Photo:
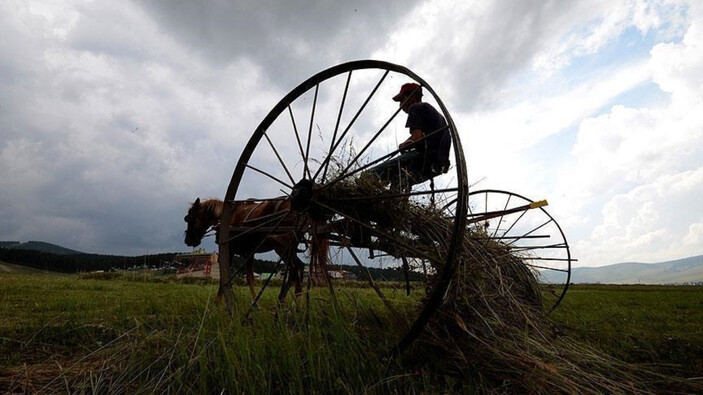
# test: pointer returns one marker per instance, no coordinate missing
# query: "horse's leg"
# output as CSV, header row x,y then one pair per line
x,y
250,276
289,255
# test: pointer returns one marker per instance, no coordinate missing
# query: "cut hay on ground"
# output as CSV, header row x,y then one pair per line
x,y
492,330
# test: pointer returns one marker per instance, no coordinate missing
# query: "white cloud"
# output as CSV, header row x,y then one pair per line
x,y
634,159
694,237
113,113
649,223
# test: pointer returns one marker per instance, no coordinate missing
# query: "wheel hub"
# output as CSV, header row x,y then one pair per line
x,y
301,195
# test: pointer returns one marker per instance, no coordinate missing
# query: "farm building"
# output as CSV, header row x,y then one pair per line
x,y
198,264
264,276
342,274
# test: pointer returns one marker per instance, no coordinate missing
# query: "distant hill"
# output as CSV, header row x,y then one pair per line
x,y
686,270
39,246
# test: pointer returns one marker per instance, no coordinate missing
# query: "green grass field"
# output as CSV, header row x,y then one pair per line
x,y
62,333
639,323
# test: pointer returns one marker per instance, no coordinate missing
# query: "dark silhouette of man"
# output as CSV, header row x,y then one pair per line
x,y
425,153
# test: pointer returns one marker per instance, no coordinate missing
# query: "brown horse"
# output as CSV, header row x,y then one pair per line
x,y
246,240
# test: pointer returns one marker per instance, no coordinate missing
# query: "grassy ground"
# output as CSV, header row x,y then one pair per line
x,y
645,324
61,333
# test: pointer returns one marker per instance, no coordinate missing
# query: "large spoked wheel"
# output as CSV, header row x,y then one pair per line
x,y
530,233
314,149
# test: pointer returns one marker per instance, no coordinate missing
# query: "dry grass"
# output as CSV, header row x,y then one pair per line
x,y
493,328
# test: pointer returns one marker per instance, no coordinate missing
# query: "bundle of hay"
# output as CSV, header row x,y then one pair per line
x,y
492,329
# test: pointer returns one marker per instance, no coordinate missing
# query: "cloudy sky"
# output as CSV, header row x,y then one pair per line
x,y
115,115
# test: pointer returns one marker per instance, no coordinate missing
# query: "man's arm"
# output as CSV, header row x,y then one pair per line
x,y
415,135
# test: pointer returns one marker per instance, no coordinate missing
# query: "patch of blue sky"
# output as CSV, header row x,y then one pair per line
x,y
632,45
645,95
552,153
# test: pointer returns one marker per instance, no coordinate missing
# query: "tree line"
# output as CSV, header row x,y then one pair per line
x,y
80,262
77,263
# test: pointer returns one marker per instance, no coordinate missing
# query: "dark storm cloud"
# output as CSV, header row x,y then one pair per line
x,y
288,39
476,56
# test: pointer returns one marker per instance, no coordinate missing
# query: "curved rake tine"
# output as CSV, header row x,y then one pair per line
x,y
547,268
538,247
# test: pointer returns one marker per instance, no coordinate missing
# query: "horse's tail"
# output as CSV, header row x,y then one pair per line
x,y
319,257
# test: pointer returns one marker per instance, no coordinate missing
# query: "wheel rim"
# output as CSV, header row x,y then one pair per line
x,y
332,112
531,234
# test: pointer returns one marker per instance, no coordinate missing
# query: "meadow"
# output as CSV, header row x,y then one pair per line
x,y
143,334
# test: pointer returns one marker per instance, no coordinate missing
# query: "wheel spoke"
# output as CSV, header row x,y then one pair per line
x,y
385,125
406,268
297,136
373,285
269,176
252,229
366,166
260,243
530,232
312,121
375,136
501,217
346,130
263,287
515,222
275,151
263,217
326,161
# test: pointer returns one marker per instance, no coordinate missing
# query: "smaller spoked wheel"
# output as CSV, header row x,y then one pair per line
x,y
529,232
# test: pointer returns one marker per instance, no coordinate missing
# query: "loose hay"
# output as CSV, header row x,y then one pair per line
x,y
493,329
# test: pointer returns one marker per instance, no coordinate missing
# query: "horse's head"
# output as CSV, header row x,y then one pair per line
x,y
200,218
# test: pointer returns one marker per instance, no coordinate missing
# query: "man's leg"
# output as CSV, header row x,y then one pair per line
x,y
396,171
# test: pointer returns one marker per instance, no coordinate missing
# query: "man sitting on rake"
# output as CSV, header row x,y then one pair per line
x,y
425,154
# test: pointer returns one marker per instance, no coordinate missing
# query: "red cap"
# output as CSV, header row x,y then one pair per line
x,y
407,89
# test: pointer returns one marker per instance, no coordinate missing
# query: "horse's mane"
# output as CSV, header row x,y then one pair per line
x,y
213,206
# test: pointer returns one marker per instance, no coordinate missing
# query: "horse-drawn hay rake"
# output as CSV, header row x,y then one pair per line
x,y
305,164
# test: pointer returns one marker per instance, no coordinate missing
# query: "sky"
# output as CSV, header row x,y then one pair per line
x,y
114,116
